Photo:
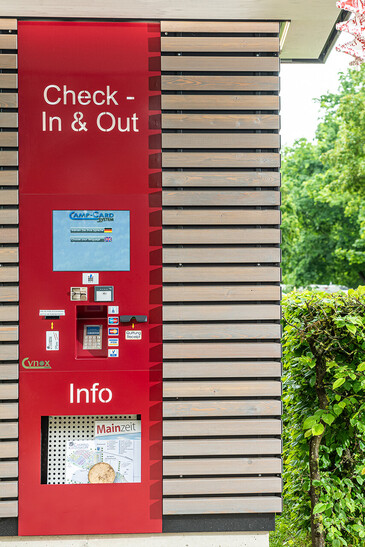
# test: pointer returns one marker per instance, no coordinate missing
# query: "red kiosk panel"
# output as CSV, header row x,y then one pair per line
x,y
90,268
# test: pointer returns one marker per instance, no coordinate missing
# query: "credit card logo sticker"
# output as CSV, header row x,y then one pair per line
x,y
113,352
113,320
113,331
113,342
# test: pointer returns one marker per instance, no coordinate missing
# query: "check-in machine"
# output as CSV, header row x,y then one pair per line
x,y
90,279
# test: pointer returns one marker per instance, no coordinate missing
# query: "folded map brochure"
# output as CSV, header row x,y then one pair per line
x,y
117,443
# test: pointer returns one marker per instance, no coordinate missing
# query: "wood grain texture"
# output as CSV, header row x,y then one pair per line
x,y
191,293
186,255
8,100
215,178
8,41
220,331
9,352
9,216
225,388
9,489
8,333
221,26
217,505
222,466
8,177
8,509
220,407
9,293
8,430
9,197
8,411
8,138
218,274
220,447
222,312
9,255
9,449
8,24
214,44
8,312
8,470
8,60
220,140
201,486
224,350
221,236
9,235
219,121
234,217
221,369
176,63
197,82
8,158
8,81
9,371
208,198
8,119
219,102
220,159
9,273
213,428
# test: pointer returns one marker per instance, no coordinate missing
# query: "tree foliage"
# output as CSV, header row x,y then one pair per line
x,y
323,190
324,415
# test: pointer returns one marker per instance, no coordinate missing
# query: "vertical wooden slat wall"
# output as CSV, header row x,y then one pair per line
x,y
220,160
8,269
221,267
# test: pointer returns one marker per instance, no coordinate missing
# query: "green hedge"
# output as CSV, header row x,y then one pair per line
x,y
324,419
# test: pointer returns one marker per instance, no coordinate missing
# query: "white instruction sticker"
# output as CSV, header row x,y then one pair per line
x,y
52,340
90,278
133,335
53,313
113,310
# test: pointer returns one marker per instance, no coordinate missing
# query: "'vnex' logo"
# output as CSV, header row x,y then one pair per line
x,y
26,363
91,215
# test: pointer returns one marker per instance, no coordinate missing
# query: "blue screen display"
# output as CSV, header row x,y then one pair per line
x,y
91,240
93,330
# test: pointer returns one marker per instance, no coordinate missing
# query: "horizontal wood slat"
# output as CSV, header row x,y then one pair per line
x,y
262,388
216,274
211,428
9,235
223,254
210,44
8,138
196,409
220,121
201,486
219,216
224,350
221,159
221,26
9,197
9,353
8,430
8,119
9,254
9,489
9,216
9,273
8,158
220,140
9,371
182,63
9,313
227,236
8,177
222,466
8,470
220,447
8,100
9,449
197,82
9,293
219,102
8,334
225,312
212,505
8,41
8,24
221,369
8,411
8,81
220,292
8,509
216,178
207,198
8,60
220,331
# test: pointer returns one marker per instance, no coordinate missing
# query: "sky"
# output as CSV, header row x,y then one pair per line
x,y
300,84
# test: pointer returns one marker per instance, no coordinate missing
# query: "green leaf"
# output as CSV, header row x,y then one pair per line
x,y
338,382
361,367
328,418
318,429
351,328
319,508
310,422
336,543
